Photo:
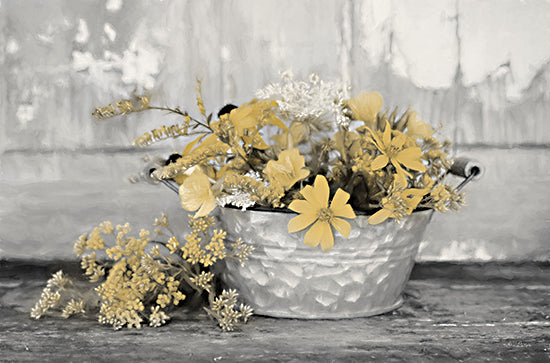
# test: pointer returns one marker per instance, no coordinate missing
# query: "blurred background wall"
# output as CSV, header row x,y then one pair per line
x,y
481,68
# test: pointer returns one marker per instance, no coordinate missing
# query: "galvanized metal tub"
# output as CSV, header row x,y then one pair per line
x,y
361,276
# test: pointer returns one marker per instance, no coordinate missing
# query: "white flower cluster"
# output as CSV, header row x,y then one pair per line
x,y
238,197
302,101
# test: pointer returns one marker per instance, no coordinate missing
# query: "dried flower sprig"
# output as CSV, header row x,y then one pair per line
x,y
140,281
61,294
123,107
225,310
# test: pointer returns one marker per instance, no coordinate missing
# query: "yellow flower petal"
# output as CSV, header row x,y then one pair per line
x,y
281,140
341,226
320,233
386,137
345,211
301,206
275,121
411,158
399,140
287,170
340,198
380,216
322,189
416,192
195,193
209,141
207,207
255,141
339,206
189,200
412,203
399,169
318,194
377,141
309,193
380,162
302,174
417,128
366,106
301,221
180,178
244,117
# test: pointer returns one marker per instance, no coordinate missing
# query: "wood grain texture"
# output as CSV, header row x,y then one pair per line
x,y
74,56
452,313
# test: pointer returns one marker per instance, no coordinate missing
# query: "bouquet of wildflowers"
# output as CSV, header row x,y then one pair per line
x,y
302,146
306,147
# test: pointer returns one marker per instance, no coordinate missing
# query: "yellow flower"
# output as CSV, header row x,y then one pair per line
x,y
395,151
106,227
243,124
416,128
315,210
348,143
244,117
362,164
366,106
291,136
399,203
163,300
249,115
287,170
195,193
173,245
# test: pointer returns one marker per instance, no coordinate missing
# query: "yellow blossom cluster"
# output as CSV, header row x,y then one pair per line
x,y
138,280
202,246
444,197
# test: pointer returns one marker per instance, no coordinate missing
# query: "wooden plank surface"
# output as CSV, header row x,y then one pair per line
x,y
452,313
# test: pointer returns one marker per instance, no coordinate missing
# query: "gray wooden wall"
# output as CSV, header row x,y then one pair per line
x,y
482,68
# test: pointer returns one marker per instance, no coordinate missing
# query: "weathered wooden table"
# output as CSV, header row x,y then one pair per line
x,y
486,312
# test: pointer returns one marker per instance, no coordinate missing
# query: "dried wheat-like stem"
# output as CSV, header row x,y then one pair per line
x,y
124,107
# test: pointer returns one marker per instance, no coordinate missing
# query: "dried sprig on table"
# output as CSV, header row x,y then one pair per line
x,y
59,292
140,280
296,146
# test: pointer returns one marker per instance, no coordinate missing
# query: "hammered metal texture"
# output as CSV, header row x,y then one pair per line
x,y
361,276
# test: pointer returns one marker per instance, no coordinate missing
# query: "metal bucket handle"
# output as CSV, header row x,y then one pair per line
x,y
467,168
